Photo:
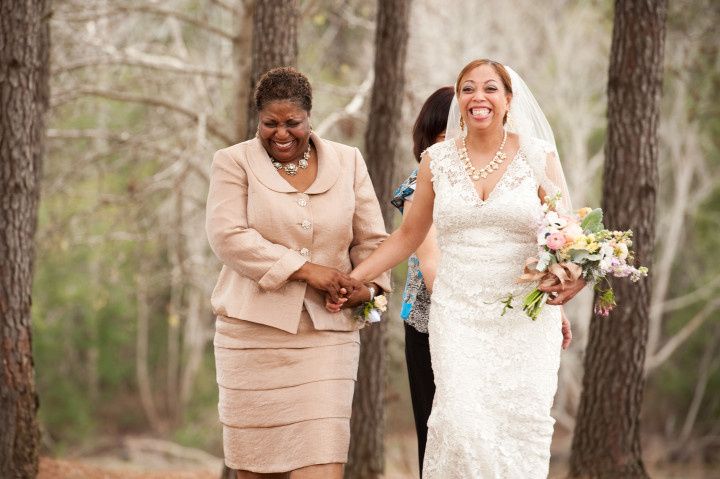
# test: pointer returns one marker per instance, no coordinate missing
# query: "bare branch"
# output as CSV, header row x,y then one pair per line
x,y
352,109
226,6
703,292
705,369
681,336
151,9
103,61
146,144
212,126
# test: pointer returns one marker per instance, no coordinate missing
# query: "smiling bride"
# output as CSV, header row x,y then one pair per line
x,y
483,188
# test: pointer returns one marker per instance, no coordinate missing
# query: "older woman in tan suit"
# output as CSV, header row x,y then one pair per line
x,y
289,214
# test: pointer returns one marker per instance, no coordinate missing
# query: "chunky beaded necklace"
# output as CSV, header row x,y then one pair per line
x,y
483,172
291,168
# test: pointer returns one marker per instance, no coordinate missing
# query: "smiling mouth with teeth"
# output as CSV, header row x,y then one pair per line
x,y
285,145
480,111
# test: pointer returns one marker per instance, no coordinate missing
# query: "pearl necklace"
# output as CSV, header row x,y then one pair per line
x,y
291,168
483,172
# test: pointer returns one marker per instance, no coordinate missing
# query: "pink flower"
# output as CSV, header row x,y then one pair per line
x,y
573,231
603,311
555,241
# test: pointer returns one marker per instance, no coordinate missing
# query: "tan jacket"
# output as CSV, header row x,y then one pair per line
x,y
263,230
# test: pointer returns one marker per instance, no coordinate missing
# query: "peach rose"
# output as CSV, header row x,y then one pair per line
x,y
556,241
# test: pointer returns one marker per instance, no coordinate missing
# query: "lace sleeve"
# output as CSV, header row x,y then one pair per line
x,y
553,182
545,162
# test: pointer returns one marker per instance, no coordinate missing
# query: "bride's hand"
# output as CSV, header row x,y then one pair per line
x,y
561,294
566,331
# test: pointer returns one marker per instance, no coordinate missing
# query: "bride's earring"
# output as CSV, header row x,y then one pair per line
x,y
462,124
508,120
257,132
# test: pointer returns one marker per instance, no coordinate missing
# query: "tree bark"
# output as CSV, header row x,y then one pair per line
x,y
606,443
274,44
24,66
367,452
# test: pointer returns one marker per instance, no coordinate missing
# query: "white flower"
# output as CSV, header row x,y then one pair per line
x,y
607,252
554,220
381,303
622,250
542,236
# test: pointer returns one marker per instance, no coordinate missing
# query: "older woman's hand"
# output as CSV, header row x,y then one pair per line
x,y
561,294
336,283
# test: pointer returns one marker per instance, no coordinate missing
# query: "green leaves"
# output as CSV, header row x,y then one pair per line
x,y
592,223
507,304
581,256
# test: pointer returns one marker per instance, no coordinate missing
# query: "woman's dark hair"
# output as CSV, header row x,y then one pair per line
x,y
283,84
432,119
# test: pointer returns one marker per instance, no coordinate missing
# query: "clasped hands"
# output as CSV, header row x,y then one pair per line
x,y
341,290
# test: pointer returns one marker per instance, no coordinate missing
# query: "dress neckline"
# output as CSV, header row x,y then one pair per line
x,y
469,181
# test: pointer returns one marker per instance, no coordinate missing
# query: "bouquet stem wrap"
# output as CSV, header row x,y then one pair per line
x,y
556,274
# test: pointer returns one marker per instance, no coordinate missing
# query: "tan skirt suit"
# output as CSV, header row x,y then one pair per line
x,y
286,367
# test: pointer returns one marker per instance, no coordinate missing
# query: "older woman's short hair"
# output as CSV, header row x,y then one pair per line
x,y
283,84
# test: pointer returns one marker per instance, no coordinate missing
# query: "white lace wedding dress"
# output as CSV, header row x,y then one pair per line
x,y
495,375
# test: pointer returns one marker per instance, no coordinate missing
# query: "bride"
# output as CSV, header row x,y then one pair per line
x,y
483,188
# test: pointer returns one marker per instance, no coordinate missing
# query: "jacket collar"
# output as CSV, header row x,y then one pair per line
x,y
328,167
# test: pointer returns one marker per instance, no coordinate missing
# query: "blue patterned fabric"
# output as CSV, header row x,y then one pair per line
x,y
415,300
407,188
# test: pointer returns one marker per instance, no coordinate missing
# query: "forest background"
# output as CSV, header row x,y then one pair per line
x,y
143,93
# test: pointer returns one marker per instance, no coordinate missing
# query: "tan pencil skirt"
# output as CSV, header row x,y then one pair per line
x,y
285,399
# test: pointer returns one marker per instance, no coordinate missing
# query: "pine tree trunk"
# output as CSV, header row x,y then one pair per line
x,y
274,45
367,452
24,57
606,443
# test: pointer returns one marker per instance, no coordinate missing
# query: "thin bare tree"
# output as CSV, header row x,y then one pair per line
x,y
24,67
607,433
382,138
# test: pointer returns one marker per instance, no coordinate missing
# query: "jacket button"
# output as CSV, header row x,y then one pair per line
x,y
302,202
305,252
306,224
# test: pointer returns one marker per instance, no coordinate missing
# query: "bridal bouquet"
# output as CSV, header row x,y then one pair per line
x,y
574,246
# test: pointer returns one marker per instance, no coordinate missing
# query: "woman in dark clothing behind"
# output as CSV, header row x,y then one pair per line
x,y
429,129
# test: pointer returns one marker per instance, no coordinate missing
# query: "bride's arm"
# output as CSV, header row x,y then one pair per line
x,y
409,235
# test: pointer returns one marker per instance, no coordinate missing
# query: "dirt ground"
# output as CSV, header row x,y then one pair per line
x,y
64,469
147,458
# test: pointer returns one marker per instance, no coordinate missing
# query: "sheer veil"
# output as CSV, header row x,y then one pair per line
x,y
528,121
